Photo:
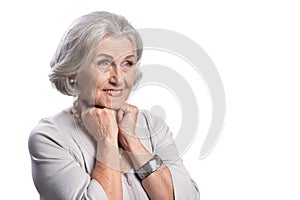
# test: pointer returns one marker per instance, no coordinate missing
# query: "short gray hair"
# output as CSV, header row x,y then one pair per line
x,y
76,47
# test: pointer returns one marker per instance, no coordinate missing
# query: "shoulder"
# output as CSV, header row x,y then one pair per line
x,y
151,127
50,131
151,121
159,139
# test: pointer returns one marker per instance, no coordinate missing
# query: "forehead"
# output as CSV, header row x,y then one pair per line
x,y
115,47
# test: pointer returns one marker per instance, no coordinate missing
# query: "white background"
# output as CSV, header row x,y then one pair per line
x,y
255,46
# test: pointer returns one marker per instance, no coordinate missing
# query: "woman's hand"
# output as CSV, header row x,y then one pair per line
x,y
101,123
127,117
159,184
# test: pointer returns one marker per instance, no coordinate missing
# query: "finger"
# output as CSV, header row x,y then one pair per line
x,y
90,113
83,104
120,115
86,113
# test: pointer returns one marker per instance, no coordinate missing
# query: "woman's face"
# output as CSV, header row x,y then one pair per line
x,y
107,81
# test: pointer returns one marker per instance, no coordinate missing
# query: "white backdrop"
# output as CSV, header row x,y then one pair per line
x,y
255,46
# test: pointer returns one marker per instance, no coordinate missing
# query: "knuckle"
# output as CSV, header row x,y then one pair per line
x,y
84,114
134,109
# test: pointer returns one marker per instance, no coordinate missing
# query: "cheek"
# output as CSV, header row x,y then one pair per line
x,y
130,79
89,81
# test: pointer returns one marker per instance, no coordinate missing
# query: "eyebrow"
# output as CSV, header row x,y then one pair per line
x,y
111,57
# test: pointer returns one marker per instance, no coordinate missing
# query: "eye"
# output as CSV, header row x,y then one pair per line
x,y
103,63
128,64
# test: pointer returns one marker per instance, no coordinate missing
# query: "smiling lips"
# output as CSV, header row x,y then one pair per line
x,y
113,92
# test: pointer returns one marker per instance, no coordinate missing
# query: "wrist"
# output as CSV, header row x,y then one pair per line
x,y
110,140
136,151
139,157
107,154
132,144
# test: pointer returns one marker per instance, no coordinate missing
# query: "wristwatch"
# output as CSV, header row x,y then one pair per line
x,y
151,166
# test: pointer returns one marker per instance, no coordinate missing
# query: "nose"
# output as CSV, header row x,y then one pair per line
x,y
116,75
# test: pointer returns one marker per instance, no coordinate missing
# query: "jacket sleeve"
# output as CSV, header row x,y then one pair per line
x,y
56,174
164,145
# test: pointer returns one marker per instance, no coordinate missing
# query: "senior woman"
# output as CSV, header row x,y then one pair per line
x,y
103,147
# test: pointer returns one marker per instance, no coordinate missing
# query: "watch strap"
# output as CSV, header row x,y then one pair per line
x,y
149,167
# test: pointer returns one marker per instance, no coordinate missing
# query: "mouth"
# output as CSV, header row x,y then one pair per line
x,y
113,92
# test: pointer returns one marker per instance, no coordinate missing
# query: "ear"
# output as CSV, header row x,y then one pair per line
x,y
73,79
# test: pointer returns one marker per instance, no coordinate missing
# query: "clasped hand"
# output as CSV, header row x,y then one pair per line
x,y
112,125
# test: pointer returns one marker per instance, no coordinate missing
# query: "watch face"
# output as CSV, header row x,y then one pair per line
x,y
153,164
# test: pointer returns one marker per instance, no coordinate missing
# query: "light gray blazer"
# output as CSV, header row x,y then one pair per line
x,y
63,158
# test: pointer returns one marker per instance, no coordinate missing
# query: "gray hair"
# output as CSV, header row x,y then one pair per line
x,y
76,47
